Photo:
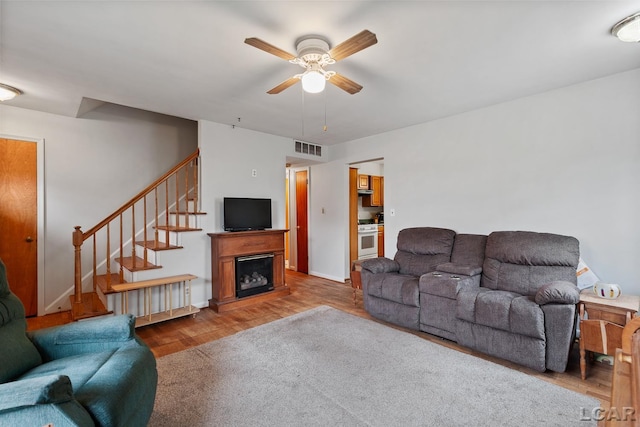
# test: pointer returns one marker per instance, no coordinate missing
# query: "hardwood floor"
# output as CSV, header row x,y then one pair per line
x,y
308,292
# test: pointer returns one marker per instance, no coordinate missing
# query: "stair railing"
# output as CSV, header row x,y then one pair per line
x,y
177,191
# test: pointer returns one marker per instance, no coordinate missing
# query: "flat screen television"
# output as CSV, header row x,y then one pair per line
x,y
242,214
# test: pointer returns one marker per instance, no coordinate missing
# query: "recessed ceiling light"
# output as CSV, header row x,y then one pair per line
x,y
628,30
8,92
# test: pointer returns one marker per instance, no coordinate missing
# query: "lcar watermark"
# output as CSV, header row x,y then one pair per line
x,y
625,413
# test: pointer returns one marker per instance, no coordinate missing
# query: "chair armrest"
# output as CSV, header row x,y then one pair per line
x,y
558,292
447,285
84,337
40,401
34,391
381,265
459,269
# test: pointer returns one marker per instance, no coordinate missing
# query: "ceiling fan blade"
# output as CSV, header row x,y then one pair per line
x,y
345,84
269,48
360,41
284,85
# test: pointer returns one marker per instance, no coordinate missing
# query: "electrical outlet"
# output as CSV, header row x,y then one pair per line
x,y
254,172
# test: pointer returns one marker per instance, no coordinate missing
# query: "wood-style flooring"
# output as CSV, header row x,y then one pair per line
x,y
308,292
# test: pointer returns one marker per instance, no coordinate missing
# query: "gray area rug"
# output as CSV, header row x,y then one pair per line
x,y
325,367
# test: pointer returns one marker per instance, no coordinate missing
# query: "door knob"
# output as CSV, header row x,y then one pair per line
x,y
29,239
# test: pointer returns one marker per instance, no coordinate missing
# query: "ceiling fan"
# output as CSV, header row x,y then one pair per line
x,y
313,55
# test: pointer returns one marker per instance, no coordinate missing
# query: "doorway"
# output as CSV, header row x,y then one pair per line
x,y
366,206
21,216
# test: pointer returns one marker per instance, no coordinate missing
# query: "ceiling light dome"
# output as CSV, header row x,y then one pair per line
x,y
313,82
8,92
628,30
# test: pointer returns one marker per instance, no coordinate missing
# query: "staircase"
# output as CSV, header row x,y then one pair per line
x,y
140,261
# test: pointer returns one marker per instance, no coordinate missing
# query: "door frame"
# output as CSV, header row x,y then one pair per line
x,y
40,211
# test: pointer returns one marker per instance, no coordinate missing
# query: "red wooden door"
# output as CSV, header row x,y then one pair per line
x,y
18,219
302,238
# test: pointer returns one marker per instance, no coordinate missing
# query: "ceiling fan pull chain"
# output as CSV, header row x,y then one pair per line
x,y
325,112
302,112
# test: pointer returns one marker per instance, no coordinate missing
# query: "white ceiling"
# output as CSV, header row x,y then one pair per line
x,y
188,58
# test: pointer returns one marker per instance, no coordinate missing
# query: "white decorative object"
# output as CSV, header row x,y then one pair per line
x,y
606,290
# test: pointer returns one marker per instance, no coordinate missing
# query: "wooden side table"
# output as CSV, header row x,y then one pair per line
x,y
601,323
356,281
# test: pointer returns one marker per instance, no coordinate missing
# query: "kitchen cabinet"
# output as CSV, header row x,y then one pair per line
x,y
380,240
375,199
363,182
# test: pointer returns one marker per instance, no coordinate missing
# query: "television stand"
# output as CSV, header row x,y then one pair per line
x,y
225,248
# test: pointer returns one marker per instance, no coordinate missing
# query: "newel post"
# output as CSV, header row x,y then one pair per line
x,y
77,238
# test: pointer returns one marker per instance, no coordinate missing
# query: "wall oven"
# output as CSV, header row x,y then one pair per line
x,y
367,241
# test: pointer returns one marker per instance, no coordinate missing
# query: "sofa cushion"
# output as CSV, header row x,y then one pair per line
x,y
417,265
421,249
398,288
526,318
507,311
466,303
80,368
426,240
468,249
523,261
115,386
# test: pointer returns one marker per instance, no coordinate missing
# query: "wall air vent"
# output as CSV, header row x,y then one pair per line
x,y
307,148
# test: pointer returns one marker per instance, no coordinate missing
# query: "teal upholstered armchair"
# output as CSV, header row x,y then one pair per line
x,y
95,372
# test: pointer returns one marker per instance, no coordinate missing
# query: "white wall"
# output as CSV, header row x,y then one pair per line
x,y
228,156
565,161
92,166
370,168
328,235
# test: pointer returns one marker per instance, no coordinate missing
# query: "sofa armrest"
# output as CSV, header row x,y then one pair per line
x,y
84,337
447,285
558,292
459,269
34,391
381,265
40,401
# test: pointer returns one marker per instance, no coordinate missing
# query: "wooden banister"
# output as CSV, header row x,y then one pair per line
x,y
140,195
185,168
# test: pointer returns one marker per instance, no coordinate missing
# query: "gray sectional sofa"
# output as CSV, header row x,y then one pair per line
x,y
511,294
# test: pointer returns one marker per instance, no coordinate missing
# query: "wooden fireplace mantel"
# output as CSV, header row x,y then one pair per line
x,y
225,247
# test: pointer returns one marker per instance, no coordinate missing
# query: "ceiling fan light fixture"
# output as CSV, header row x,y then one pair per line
x,y
313,82
8,92
628,30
